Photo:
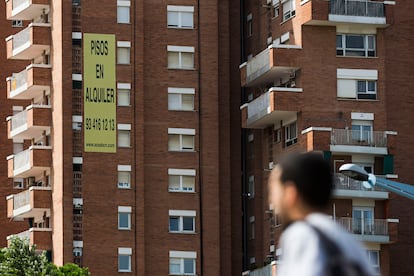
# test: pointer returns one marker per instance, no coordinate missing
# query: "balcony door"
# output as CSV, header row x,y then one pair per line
x,y
363,220
362,132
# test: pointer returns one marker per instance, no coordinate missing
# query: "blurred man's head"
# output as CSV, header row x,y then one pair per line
x,y
300,184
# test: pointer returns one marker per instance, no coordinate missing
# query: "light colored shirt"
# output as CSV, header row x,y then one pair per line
x,y
302,253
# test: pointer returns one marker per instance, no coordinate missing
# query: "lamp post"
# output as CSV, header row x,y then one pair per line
x,y
358,173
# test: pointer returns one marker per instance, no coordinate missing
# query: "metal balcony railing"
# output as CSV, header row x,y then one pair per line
x,y
364,226
357,8
343,182
358,138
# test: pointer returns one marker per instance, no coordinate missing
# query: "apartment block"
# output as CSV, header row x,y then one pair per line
x,y
326,76
123,134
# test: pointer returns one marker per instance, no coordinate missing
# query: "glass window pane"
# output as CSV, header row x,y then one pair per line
x,y
124,179
187,142
188,224
362,87
188,183
173,60
123,220
174,142
187,101
371,42
123,138
189,266
174,102
338,41
174,224
372,86
124,262
123,55
174,182
187,60
187,19
175,266
355,41
123,97
123,14
373,257
172,19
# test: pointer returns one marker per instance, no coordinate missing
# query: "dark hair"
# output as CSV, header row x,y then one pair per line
x,y
312,176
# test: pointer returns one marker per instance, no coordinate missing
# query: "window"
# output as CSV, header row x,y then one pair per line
x,y
360,84
249,21
183,263
180,57
291,134
362,132
252,228
288,9
124,217
123,7
180,17
277,135
180,180
251,187
17,23
123,52
124,135
124,176
275,8
18,183
355,45
124,259
363,220
367,89
181,139
181,98
124,94
181,221
373,258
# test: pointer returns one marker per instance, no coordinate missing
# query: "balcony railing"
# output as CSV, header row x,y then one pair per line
x,y
31,162
357,8
41,237
29,43
30,83
26,9
359,138
378,227
31,203
30,123
343,182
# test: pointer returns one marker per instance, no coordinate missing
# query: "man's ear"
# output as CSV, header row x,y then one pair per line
x,y
290,196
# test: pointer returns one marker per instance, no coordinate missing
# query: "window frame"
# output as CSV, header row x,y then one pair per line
x,y
181,92
181,229
181,132
289,138
182,267
123,45
289,13
366,50
128,216
125,252
123,4
181,173
180,50
180,10
367,94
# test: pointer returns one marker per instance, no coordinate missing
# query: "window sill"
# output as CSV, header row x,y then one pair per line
x,y
179,68
183,192
181,150
180,28
191,110
356,57
358,100
125,105
181,233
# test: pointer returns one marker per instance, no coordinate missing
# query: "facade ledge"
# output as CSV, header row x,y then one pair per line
x,y
391,132
372,238
360,194
309,129
357,19
286,89
359,149
389,2
244,106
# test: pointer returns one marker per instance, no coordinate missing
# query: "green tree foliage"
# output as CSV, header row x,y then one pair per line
x,y
21,259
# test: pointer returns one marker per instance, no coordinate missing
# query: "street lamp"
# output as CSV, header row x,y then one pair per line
x,y
358,173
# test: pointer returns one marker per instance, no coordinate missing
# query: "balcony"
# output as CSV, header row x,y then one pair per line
x,y
30,123
31,83
356,141
31,162
346,187
272,63
357,11
41,237
32,203
279,103
26,9
29,43
369,230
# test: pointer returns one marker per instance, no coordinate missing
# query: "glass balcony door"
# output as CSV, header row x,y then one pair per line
x,y
363,220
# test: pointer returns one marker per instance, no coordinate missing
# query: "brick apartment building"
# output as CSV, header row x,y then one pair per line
x,y
332,76
122,136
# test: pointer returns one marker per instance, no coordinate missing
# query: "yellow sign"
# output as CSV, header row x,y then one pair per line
x,y
99,92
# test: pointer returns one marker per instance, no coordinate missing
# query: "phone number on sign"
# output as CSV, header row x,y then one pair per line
x,y
103,124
